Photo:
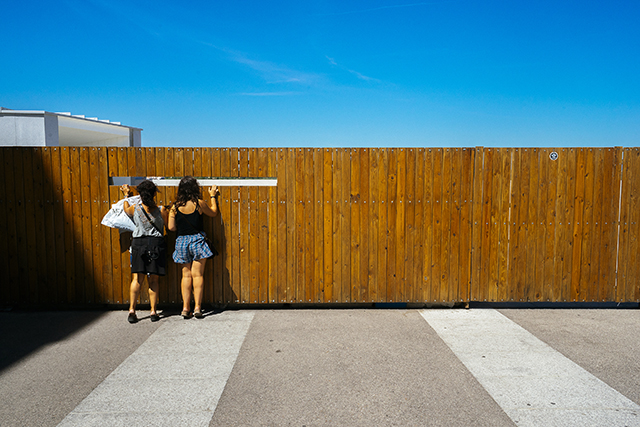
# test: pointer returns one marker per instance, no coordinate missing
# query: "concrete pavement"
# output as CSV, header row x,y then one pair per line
x,y
322,367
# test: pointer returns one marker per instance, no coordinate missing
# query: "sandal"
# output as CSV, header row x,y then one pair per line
x,y
185,314
154,317
198,314
132,318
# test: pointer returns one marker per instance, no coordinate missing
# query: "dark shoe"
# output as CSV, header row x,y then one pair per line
x,y
185,314
154,317
132,318
198,314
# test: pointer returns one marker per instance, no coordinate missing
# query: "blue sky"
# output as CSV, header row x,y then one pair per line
x,y
332,73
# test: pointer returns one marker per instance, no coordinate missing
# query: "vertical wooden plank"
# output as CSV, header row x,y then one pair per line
x,y
292,283
549,290
351,295
77,229
342,189
477,225
273,229
187,158
613,223
484,293
178,162
392,245
410,224
328,224
437,215
533,256
382,255
26,229
445,203
5,289
602,217
282,224
113,286
560,225
11,172
254,233
68,230
514,209
503,224
522,227
466,198
49,221
309,204
85,203
494,224
597,250
587,236
373,227
339,221
200,162
576,261
244,230
236,226
300,228
59,218
104,233
569,218
365,204
43,291
134,161
629,258
318,191
264,229
96,213
400,203
536,290
454,225
623,225
227,214
419,226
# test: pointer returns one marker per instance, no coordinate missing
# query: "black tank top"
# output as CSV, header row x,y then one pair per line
x,y
188,224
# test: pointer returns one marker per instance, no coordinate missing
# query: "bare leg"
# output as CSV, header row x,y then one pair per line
x,y
186,285
134,291
197,273
153,291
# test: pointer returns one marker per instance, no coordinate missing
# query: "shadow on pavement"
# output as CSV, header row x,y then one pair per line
x,y
23,333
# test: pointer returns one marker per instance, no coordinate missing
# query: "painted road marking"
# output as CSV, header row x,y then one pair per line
x,y
533,383
176,377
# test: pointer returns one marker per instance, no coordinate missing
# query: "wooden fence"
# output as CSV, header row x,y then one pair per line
x,y
342,225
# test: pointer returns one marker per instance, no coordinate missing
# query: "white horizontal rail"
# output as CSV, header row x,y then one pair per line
x,y
241,182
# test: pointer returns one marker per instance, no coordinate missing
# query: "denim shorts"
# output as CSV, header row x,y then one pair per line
x,y
190,248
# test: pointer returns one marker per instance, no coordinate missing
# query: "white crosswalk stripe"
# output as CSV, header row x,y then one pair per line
x,y
176,377
533,383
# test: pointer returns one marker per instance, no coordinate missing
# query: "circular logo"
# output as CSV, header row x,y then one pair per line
x,y
553,155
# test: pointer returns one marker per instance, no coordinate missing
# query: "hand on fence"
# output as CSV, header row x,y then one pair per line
x,y
214,191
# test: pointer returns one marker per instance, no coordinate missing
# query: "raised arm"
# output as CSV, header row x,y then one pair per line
x,y
213,198
171,222
126,191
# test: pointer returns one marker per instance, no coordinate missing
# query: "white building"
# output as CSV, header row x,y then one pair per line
x,y
45,129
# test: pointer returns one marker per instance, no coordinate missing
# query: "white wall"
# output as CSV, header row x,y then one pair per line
x,y
25,131
40,128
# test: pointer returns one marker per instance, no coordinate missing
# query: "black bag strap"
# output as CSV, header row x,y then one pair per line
x,y
149,219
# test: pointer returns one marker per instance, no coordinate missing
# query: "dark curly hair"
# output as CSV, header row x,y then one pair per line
x,y
188,190
147,191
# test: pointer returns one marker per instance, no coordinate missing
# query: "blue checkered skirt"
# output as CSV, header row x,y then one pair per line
x,y
190,248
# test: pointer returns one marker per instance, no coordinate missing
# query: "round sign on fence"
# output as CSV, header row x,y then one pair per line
x,y
553,155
